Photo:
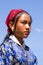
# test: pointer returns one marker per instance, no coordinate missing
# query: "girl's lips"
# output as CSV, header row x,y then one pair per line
x,y
26,32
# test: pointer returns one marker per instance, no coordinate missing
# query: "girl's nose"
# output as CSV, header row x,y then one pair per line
x,y
27,26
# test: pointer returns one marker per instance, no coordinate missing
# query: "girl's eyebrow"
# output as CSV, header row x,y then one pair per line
x,y
27,21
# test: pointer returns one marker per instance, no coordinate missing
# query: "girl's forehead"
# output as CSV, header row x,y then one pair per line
x,y
24,16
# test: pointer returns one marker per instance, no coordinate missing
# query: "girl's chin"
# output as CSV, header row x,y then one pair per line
x,y
25,36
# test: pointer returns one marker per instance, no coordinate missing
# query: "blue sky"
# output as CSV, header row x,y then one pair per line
x,y
35,9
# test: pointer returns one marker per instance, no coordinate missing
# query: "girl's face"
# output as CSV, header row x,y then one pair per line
x,y
23,26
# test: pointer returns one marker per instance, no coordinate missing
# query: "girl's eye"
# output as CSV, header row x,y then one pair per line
x,y
29,23
24,22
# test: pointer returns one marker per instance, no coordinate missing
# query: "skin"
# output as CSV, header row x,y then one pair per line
x,y
23,27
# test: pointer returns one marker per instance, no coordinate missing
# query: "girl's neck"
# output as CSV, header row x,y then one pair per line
x,y
20,40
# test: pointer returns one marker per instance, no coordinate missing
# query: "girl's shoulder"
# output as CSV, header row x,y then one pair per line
x,y
6,44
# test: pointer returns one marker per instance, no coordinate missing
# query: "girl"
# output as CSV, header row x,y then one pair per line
x,y
13,51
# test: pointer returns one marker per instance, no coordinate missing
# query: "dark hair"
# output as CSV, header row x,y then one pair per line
x,y
15,19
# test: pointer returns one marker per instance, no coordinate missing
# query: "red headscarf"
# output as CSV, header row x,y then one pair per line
x,y
11,15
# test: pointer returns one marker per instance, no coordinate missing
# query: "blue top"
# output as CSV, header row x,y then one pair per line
x,y
13,53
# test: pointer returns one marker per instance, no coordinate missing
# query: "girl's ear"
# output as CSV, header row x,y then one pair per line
x,y
11,25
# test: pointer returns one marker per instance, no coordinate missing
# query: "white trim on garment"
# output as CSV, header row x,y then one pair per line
x,y
15,39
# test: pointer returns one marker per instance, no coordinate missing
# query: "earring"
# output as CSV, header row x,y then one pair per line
x,y
12,29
